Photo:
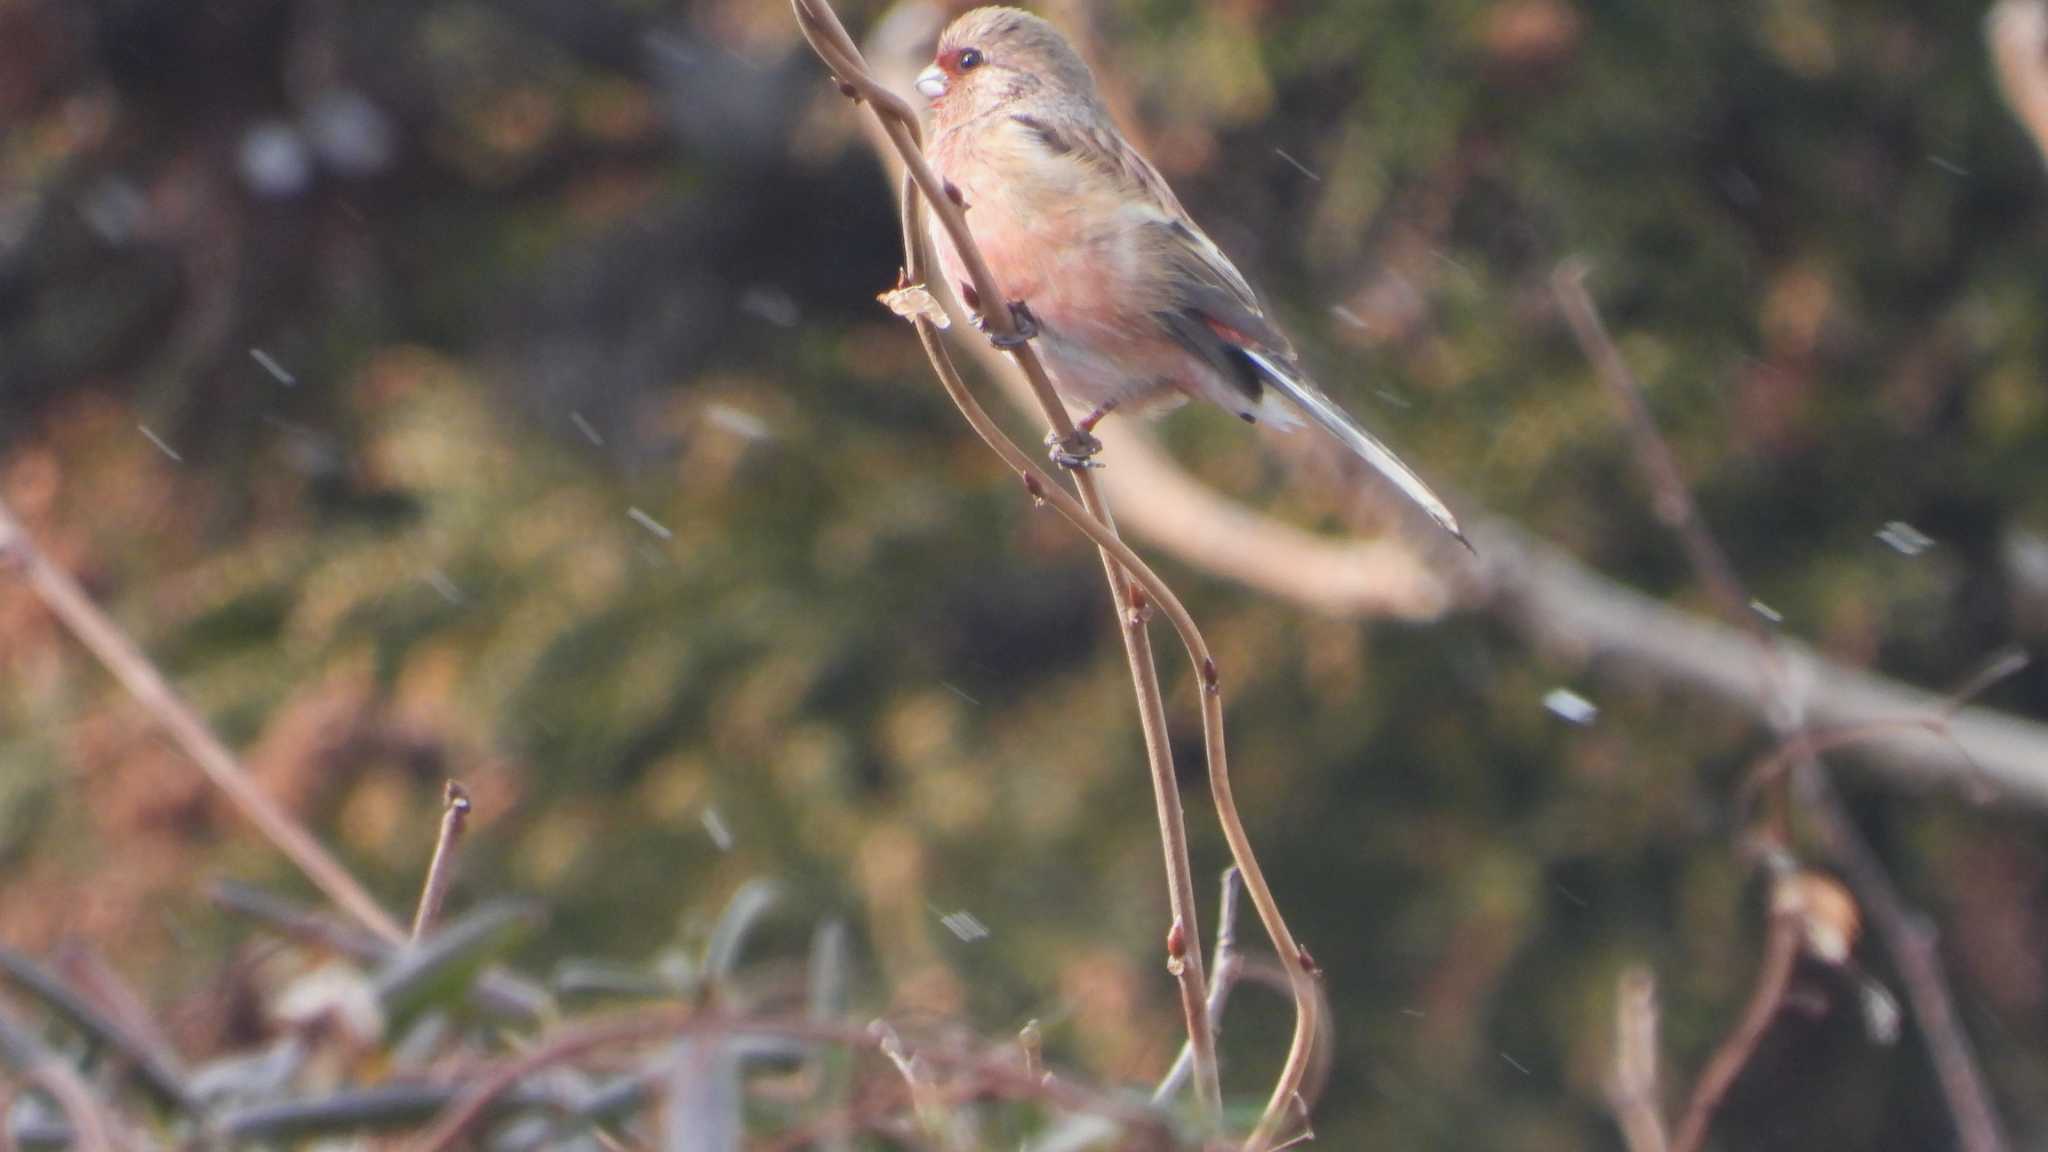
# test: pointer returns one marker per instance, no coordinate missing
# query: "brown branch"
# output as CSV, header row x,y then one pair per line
x,y
1785,704
1773,769
1226,965
1386,576
1558,604
1634,1086
1911,941
1773,977
441,871
829,39
105,639
1673,497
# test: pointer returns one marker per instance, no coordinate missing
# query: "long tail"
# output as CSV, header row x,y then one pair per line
x,y
1339,423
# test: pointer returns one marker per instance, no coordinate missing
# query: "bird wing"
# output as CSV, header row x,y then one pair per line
x,y
1199,286
1096,143
1207,304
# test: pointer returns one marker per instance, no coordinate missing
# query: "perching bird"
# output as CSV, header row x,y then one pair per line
x,y
1133,306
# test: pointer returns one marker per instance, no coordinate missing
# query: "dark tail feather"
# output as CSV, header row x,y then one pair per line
x,y
1338,423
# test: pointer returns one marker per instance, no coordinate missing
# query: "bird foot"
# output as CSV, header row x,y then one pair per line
x,y
1021,319
1073,453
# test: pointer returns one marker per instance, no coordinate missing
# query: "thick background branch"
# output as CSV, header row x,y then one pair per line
x,y
1562,605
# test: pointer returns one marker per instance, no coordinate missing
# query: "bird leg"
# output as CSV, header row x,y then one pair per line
x,y
1021,319
1078,450
1086,424
1075,452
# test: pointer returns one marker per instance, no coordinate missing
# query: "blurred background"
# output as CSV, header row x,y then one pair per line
x,y
497,391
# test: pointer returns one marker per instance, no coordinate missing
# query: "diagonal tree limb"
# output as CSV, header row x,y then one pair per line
x,y
1774,978
1559,603
105,639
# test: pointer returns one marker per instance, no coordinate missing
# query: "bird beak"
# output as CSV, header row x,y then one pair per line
x,y
932,82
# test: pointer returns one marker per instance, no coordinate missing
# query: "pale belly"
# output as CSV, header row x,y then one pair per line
x,y
1064,272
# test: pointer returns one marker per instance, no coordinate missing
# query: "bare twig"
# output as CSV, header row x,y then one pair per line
x,y
441,872
1226,965
1772,770
1785,703
1773,977
1911,941
93,628
821,27
1672,496
1031,1043
928,1102
1809,743
1126,572
1633,1088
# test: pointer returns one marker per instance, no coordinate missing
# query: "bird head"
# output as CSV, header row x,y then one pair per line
x,y
993,57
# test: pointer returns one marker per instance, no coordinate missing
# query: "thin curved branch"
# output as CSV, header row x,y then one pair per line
x,y
441,871
1773,978
1300,975
829,38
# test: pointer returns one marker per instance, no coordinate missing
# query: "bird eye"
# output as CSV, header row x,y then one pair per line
x,y
970,59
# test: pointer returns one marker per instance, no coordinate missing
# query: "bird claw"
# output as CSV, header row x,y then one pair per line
x,y
1021,319
1075,453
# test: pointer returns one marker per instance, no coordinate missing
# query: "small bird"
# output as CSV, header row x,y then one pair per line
x,y
1132,305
